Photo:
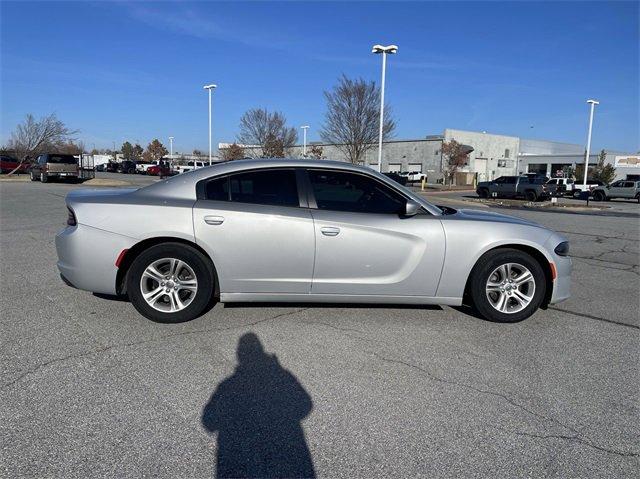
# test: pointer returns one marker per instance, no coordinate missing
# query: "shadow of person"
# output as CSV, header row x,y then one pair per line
x,y
257,412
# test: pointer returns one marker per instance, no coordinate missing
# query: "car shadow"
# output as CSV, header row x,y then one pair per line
x,y
257,413
112,297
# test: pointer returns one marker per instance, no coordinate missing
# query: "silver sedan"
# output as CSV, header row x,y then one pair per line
x,y
303,231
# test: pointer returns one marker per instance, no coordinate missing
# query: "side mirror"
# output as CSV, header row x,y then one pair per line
x,y
411,208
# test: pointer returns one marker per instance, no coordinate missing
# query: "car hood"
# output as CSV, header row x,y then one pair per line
x,y
478,215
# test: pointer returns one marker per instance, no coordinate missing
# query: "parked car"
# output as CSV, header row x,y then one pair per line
x,y
590,185
190,165
127,167
163,168
397,178
413,176
9,163
142,166
53,165
560,186
532,188
303,231
618,189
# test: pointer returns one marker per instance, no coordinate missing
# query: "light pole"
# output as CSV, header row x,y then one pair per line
x,y
586,155
171,147
304,140
377,49
210,88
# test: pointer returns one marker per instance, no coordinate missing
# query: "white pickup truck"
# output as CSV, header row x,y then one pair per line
x,y
191,165
569,187
142,167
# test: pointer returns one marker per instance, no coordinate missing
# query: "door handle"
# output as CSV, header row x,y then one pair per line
x,y
330,230
214,220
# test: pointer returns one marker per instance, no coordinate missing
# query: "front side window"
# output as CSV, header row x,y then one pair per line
x,y
343,191
617,184
270,187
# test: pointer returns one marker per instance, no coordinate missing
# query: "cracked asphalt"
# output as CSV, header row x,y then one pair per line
x,y
91,389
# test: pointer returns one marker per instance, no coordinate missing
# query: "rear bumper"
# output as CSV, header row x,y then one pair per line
x,y
86,257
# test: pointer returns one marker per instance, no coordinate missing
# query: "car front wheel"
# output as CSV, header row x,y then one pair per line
x,y
599,196
507,285
170,283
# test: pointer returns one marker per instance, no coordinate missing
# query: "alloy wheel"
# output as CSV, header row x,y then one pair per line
x,y
168,285
510,288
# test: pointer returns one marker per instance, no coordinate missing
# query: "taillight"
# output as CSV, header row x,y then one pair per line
x,y
71,218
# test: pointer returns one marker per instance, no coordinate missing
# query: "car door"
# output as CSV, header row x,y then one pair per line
x,y
616,190
628,189
258,234
363,245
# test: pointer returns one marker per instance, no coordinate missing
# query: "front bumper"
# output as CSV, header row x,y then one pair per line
x,y
86,257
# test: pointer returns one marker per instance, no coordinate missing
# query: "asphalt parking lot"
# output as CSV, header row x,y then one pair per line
x,y
91,389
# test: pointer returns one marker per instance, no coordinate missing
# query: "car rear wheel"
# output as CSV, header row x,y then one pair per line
x,y
530,195
599,196
507,285
33,177
43,178
170,283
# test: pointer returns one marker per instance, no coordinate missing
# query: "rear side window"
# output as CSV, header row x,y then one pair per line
x,y
510,180
271,187
342,191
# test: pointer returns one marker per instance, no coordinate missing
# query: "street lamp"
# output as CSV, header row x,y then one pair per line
x,y
586,155
210,88
171,147
377,49
304,140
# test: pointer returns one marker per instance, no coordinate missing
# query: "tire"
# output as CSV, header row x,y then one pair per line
x,y
43,178
530,195
576,194
599,196
163,310
485,269
483,193
33,177
638,197
132,171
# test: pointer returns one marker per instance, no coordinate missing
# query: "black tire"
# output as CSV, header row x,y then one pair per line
x,y
638,197
43,178
484,268
483,193
530,195
201,266
32,176
576,194
599,196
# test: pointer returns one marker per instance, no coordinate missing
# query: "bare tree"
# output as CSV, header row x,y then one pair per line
x,y
267,130
457,156
315,152
32,137
232,152
352,119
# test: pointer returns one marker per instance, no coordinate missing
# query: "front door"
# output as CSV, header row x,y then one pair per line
x,y
258,236
364,246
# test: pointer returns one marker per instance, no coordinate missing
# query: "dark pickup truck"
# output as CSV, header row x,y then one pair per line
x,y
532,188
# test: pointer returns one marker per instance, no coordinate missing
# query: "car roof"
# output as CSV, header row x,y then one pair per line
x,y
183,185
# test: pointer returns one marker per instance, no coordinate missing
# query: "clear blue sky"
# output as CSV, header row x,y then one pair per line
x,y
135,71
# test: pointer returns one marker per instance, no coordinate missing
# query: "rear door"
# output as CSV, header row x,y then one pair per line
x,y
258,233
363,245
628,189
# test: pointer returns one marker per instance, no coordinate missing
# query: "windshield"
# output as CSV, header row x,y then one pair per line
x,y
68,159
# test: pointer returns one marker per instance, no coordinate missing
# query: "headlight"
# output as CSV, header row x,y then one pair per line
x,y
562,249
